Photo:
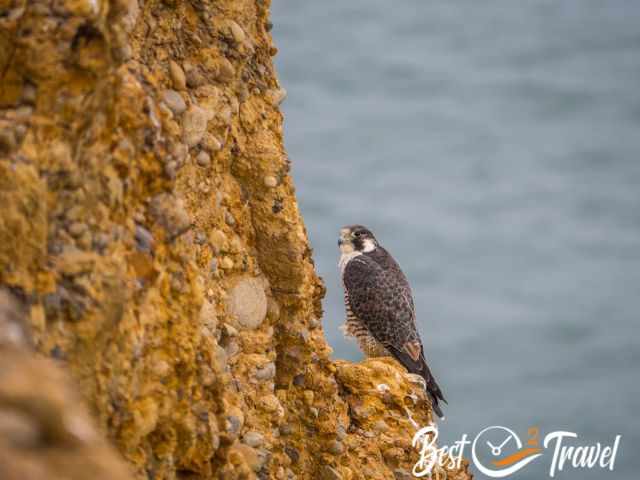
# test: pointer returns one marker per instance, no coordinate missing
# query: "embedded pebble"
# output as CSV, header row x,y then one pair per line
x,y
203,159
329,473
174,101
270,403
177,76
171,169
144,239
130,18
200,238
230,330
194,125
267,372
225,115
221,355
226,70
229,219
383,388
152,111
171,126
234,104
248,302
270,181
273,309
195,78
237,32
235,245
212,143
213,265
208,317
215,441
277,96
251,457
253,439
179,151
170,212
380,426
226,263
232,349
218,240
77,228
234,424
161,368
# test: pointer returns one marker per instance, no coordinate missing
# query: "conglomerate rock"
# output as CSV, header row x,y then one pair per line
x,y
149,223
45,430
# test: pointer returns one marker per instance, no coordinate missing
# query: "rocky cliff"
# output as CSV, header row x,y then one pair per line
x,y
150,231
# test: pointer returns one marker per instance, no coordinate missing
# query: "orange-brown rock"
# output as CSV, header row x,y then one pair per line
x,y
45,429
160,251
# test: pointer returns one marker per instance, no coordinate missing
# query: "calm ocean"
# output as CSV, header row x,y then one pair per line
x,y
494,148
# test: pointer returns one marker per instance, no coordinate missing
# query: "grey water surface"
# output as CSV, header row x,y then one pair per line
x,y
494,148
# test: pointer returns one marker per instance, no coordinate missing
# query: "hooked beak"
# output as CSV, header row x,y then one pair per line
x,y
344,237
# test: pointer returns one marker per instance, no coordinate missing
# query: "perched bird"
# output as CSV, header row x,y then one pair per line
x,y
379,306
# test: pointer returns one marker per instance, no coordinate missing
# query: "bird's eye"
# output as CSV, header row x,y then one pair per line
x,y
357,234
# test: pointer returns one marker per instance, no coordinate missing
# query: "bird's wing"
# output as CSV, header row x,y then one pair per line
x,y
382,301
387,262
383,304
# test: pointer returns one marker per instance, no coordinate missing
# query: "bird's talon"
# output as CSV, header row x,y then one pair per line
x,y
415,378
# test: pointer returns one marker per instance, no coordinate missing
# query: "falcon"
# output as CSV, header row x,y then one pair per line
x,y
380,313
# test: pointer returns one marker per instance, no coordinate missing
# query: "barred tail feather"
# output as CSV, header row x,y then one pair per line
x,y
421,368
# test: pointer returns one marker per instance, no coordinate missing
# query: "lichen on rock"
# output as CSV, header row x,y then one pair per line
x,y
159,250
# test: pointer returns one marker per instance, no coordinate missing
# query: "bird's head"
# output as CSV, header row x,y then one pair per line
x,y
356,238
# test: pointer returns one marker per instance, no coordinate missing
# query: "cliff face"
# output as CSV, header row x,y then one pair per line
x,y
149,225
45,430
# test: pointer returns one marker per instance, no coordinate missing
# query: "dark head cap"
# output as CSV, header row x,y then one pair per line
x,y
358,238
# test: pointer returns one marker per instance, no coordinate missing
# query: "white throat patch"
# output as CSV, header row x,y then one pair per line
x,y
369,245
348,253
346,257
